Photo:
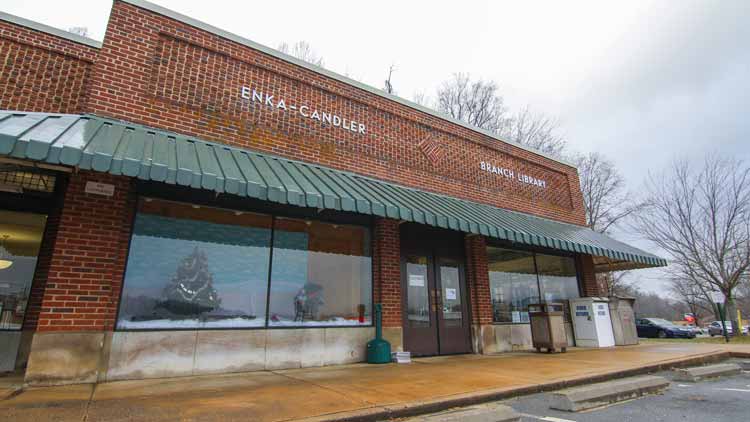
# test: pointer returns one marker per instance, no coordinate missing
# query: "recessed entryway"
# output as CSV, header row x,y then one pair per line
x,y
435,298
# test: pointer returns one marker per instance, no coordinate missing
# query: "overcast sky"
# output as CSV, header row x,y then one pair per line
x,y
641,82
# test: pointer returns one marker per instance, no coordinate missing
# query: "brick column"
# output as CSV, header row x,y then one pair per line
x,y
590,286
477,275
387,270
88,258
387,278
84,274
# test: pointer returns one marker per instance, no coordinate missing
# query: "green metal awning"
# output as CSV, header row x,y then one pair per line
x,y
121,148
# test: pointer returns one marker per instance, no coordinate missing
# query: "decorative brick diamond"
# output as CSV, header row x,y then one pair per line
x,y
431,148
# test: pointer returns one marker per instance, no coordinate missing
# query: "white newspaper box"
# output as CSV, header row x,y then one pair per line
x,y
592,325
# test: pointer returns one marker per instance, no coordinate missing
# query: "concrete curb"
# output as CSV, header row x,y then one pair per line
x,y
8,393
496,413
604,393
401,410
702,372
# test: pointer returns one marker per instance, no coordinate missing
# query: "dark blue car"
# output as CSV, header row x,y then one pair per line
x,y
661,328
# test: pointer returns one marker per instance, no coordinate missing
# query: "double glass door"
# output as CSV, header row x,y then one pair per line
x,y
435,304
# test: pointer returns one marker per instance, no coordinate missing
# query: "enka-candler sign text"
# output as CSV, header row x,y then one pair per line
x,y
510,174
305,111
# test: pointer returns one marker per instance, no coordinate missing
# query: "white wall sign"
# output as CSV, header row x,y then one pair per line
x,y
104,189
416,280
513,175
306,111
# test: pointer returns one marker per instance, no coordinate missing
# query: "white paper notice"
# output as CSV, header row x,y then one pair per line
x,y
450,294
416,280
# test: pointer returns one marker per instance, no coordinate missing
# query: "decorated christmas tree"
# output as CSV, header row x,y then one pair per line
x,y
191,290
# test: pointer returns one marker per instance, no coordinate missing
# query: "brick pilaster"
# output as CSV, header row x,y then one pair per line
x,y
387,270
87,264
478,279
590,286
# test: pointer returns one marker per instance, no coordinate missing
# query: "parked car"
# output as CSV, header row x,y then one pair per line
x,y
696,330
715,328
661,328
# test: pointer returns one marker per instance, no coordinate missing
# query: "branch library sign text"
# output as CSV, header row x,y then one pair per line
x,y
510,174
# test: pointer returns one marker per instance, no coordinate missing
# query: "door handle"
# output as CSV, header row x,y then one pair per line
x,y
436,302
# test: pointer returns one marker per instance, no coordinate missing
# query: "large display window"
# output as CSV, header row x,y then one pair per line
x,y
321,274
195,267
192,267
519,278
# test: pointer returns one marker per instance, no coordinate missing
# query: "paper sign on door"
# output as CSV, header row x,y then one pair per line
x,y
450,294
416,280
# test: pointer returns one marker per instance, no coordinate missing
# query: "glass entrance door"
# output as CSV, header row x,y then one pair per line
x,y
452,310
435,302
20,239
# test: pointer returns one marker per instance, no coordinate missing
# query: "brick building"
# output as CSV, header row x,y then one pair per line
x,y
180,200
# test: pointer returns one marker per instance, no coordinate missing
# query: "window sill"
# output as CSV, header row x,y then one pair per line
x,y
124,330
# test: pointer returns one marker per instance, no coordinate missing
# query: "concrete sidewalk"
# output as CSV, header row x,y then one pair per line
x,y
364,392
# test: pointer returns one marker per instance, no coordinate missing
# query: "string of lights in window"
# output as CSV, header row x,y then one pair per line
x,y
17,179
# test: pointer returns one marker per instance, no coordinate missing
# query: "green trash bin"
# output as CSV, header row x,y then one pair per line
x,y
378,350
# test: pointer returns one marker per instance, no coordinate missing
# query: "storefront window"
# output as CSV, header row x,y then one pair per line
x,y
519,278
557,277
321,274
20,239
195,267
513,284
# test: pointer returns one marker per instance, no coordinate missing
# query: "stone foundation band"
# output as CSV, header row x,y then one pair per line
x,y
510,174
305,111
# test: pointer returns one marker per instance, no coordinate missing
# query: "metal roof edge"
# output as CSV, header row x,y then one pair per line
x,y
191,138
331,74
627,252
49,30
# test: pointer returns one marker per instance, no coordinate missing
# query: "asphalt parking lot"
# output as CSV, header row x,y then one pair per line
x,y
720,399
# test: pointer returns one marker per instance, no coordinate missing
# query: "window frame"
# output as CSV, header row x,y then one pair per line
x,y
534,251
146,192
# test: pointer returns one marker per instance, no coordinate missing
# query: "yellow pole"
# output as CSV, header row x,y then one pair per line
x,y
739,319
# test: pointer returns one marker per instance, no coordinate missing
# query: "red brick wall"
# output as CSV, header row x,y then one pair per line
x,y
167,74
477,273
42,72
387,270
590,285
89,254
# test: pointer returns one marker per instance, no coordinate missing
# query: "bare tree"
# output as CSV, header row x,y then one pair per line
x,y
605,198
421,98
615,281
535,130
475,102
702,220
479,103
653,305
606,203
303,51
694,295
